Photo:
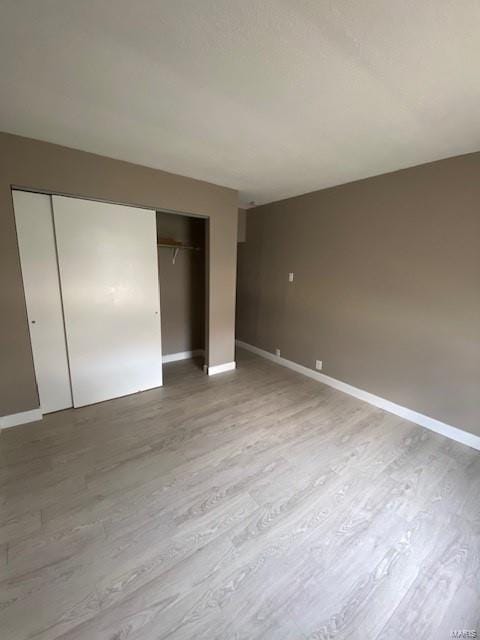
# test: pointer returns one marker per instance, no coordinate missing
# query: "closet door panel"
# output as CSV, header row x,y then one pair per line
x,y
38,257
109,277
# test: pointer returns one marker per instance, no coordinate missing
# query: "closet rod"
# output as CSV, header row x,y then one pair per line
x,y
176,248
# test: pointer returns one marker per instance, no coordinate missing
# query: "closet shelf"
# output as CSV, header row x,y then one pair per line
x,y
176,248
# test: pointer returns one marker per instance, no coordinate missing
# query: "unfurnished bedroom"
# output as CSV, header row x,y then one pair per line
x,y
239,320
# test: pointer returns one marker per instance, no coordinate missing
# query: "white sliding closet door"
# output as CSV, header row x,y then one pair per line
x,y
38,258
107,257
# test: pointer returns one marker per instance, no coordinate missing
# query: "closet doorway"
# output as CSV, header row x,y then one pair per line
x,y
181,243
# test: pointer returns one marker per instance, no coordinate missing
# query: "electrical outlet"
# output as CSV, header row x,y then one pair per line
x,y
318,365
290,277
277,352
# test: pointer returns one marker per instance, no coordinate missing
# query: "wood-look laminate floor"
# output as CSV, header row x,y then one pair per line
x,y
254,504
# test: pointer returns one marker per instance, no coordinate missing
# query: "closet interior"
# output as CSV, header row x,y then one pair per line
x,y
181,241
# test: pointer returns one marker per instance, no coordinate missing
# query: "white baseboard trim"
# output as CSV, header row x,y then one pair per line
x,y
20,418
454,433
182,355
221,368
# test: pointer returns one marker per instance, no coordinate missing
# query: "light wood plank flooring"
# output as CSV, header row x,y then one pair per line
x,y
255,504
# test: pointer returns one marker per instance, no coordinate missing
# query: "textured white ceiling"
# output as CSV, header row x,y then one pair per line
x,y
271,97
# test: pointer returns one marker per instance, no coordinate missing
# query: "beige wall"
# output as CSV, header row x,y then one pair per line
x,y
46,167
242,225
386,289
182,285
